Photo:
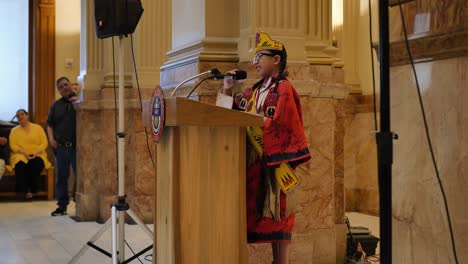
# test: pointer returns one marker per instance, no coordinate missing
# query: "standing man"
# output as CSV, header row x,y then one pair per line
x,y
61,129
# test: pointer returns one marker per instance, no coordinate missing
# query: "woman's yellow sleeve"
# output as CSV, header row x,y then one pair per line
x,y
13,139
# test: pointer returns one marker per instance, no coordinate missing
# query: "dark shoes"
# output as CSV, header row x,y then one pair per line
x,y
59,211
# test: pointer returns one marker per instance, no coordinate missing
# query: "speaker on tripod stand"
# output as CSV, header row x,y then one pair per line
x,y
117,18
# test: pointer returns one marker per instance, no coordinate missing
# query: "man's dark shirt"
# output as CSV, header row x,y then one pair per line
x,y
62,119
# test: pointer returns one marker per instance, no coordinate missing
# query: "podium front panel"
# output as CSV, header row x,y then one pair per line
x,y
200,195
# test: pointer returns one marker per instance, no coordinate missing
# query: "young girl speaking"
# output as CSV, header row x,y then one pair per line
x,y
274,150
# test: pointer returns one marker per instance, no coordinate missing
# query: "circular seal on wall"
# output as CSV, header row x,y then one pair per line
x,y
157,113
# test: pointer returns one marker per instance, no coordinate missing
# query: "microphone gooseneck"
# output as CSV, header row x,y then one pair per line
x,y
212,71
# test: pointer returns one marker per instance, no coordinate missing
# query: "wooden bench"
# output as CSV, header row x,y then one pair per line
x,y
48,174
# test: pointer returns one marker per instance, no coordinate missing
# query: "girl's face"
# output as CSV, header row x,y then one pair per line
x,y
266,63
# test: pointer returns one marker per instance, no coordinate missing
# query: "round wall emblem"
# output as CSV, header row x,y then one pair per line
x,y
157,113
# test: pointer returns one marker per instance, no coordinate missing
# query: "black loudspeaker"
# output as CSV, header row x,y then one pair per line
x,y
116,17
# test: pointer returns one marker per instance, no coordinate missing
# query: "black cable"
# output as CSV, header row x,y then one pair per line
x,y
115,110
198,84
423,112
136,73
373,70
132,250
139,96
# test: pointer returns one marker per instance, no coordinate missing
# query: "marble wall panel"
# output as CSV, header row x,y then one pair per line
x,y
316,197
421,233
97,164
360,162
445,16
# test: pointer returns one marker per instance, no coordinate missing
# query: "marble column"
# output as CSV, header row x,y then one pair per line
x,y
90,79
286,20
319,46
152,40
204,36
96,149
350,42
91,50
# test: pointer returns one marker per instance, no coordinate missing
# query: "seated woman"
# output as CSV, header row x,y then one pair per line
x,y
28,144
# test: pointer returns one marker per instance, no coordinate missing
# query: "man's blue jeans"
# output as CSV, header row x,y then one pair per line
x,y
64,157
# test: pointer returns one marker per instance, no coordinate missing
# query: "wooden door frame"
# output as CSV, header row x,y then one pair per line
x,y
41,85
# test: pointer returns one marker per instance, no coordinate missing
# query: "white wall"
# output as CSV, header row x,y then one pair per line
x,y
67,38
14,57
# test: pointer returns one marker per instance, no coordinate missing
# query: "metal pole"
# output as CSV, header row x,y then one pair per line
x,y
121,151
385,138
114,235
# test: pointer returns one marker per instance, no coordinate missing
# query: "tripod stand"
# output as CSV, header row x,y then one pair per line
x,y
121,207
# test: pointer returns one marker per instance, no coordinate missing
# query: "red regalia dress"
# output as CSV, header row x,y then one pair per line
x,y
284,141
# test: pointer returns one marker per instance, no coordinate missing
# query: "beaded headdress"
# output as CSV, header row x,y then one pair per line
x,y
263,41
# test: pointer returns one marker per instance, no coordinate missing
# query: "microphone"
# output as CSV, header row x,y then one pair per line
x,y
238,75
212,72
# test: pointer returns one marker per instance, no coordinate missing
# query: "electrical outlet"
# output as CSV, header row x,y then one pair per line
x,y
422,23
69,63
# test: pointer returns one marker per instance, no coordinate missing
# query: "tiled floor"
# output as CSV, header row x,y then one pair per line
x,y
28,234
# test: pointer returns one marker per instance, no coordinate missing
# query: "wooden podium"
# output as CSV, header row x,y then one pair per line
x,y
200,212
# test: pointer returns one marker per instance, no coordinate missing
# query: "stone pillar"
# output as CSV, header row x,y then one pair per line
x,y
152,40
319,48
90,79
350,42
286,20
337,30
204,36
91,55
96,147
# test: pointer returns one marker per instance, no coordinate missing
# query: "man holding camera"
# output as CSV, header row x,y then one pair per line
x,y
61,129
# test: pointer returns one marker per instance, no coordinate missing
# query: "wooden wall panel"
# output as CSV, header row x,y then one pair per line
x,y
445,37
42,85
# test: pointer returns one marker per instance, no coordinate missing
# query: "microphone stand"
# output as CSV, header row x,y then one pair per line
x,y
198,84
385,138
